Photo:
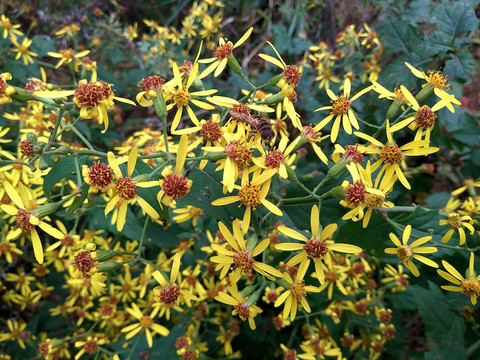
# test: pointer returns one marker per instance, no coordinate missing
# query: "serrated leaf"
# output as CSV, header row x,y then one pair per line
x,y
79,200
454,18
460,65
60,170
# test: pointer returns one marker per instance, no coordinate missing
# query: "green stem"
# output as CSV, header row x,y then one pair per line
x,y
80,135
144,231
53,136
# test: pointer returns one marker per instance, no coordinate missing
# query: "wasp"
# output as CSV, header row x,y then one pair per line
x,y
260,123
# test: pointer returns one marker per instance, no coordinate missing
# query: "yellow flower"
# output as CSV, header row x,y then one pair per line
x,y
295,296
126,189
251,194
16,330
170,294
89,345
222,55
407,252
318,247
5,90
23,51
468,184
174,185
27,218
242,307
151,87
275,161
66,56
145,322
457,223
187,213
182,97
390,154
68,241
239,255
341,110
9,28
468,286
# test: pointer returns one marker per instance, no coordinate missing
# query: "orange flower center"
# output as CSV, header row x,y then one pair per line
x,y
154,83
23,220
169,294
404,252
176,186
470,287
92,93
250,195
90,347
315,248
210,131
238,153
454,220
223,51
146,321
425,117
290,354
352,154
26,147
100,175
181,97
243,310
23,49
274,159
390,154
340,106
3,85
310,134
272,296
68,240
107,310
243,261
292,74
331,276
298,290
67,53
4,247
84,262
126,188
438,80
374,200
355,193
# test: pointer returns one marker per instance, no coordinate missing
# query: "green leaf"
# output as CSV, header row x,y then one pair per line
x,y
60,170
79,200
454,18
460,65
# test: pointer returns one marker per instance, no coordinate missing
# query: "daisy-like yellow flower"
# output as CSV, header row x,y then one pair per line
x,y
126,189
407,252
457,223
295,295
341,110
173,185
151,87
325,74
435,82
68,241
251,194
145,322
242,307
423,118
5,90
223,55
16,330
23,51
276,161
8,28
86,264
66,56
468,184
99,176
9,249
187,213
181,97
27,218
170,294
390,154
318,247
240,255
89,345
468,286
290,78
93,97
312,135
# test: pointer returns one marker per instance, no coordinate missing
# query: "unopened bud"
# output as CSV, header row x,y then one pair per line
x,y
45,210
38,147
160,106
62,150
109,266
234,65
105,255
32,138
42,164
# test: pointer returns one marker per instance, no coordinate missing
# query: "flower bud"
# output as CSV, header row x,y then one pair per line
x,y
109,266
337,169
215,156
32,138
42,164
45,210
38,147
62,150
338,192
234,65
105,255
160,106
